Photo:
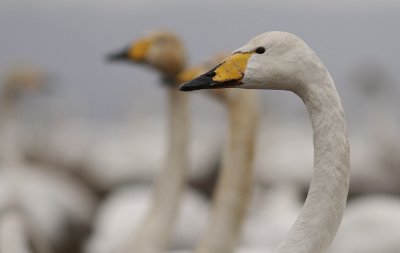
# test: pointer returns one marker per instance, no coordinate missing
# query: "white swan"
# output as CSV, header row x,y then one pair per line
x,y
135,151
279,60
37,204
273,210
164,52
157,50
122,212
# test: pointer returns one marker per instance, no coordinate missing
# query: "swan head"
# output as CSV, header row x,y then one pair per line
x,y
162,50
273,60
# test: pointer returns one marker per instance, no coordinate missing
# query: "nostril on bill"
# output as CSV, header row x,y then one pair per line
x,y
210,74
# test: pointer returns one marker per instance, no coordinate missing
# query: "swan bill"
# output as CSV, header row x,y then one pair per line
x,y
203,82
119,56
136,53
227,74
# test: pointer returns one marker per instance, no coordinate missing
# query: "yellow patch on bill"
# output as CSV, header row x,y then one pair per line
x,y
232,68
139,50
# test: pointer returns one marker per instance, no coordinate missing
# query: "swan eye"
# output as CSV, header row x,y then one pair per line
x,y
260,50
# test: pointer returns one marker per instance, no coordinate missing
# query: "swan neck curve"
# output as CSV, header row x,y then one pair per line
x,y
234,182
154,233
318,222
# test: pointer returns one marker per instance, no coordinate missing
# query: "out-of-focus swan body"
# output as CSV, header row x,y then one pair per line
x,y
37,203
122,212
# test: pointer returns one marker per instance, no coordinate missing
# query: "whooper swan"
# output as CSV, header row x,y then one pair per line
x,y
164,52
282,61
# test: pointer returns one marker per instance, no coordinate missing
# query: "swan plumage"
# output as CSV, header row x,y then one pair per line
x,y
164,52
282,61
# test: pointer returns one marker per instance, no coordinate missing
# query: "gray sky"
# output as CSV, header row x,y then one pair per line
x,y
71,37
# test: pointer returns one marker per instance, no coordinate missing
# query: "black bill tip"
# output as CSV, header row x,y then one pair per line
x,y
118,56
199,83
204,81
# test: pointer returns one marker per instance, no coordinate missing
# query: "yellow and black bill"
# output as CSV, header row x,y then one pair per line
x,y
206,81
227,74
136,52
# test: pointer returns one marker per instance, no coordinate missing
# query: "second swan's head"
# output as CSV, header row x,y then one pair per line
x,y
273,60
162,50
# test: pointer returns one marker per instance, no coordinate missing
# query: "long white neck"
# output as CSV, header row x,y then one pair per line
x,y
318,222
234,182
154,233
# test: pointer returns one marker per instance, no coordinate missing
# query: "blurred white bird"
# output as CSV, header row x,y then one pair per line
x,y
164,52
38,204
122,212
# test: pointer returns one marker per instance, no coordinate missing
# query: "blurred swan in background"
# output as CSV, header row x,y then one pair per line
x,y
41,208
233,188
126,207
108,155
164,52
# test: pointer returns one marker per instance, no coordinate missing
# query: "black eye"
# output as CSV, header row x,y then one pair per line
x,y
260,50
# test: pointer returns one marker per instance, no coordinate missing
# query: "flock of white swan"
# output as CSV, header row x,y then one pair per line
x,y
134,188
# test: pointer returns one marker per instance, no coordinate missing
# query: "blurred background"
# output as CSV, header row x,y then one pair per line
x,y
93,124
